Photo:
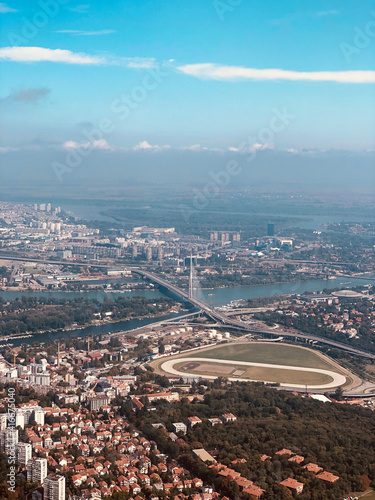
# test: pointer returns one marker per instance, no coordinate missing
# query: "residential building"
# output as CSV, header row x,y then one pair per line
x,y
37,470
54,487
24,453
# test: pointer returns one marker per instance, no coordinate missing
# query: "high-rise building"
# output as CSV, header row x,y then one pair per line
x,y
24,453
9,440
54,487
37,470
38,415
3,421
20,418
270,229
149,253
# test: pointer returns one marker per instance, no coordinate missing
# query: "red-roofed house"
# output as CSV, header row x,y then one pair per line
x,y
293,485
328,477
313,468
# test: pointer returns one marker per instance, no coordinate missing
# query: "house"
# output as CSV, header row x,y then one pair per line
x,y
297,459
179,427
135,488
243,483
228,417
284,451
215,421
194,421
197,483
254,491
327,477
203,455
293,485
264,457
313,468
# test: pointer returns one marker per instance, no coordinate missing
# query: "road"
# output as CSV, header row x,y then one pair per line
x,y
211,312
224,320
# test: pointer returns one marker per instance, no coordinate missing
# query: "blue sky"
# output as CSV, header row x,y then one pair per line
x,y
62,72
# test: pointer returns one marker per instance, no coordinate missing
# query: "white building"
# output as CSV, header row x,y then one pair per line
x,y
179,427
37,470
24,453
20,418
54,487
9,440
3,421
38,415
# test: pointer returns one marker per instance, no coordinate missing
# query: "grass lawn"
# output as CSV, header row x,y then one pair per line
x,y
259,373
278,354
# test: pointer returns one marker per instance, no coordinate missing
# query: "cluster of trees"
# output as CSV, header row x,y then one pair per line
x,y
32,314
313,323
338,438
4,273
261,276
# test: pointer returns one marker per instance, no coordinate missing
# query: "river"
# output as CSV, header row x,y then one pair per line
x,y
216,297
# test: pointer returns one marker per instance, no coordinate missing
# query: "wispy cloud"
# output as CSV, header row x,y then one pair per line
x,y
133,62
80,9
209,71
101,144
4,8
40,54
86,33
5,149
27,96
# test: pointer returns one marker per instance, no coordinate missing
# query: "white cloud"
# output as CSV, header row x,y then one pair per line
x,y
293,151
40,54
133,62
4,149
4,8
210,71
146,146
257,146
86,33
101,144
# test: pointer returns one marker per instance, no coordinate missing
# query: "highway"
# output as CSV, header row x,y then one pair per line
x,y
211,312
225,320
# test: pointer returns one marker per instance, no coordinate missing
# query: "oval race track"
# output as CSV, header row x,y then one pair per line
x,y
337,379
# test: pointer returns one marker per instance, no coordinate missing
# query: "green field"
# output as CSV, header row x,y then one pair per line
x,y
275,354
257,373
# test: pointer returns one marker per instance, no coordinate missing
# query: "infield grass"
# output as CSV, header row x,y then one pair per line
x,y
273,354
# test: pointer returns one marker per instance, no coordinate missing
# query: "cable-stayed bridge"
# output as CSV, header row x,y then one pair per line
x,y
224,320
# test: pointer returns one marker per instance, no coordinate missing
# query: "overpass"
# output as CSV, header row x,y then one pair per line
x,y
211,312
225,320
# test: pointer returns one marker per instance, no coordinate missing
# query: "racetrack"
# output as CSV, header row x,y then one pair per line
x,y
337,379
